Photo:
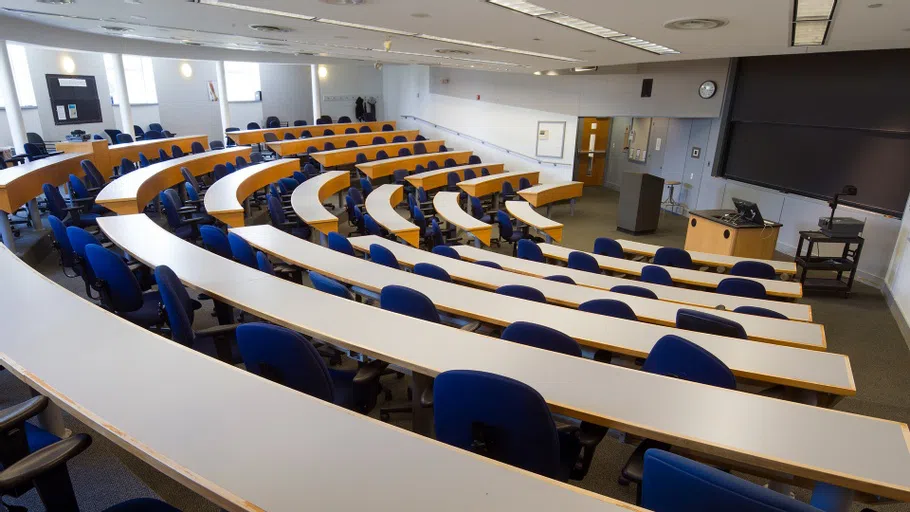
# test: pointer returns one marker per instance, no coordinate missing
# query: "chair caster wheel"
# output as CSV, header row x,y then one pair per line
x,y
384,416
623,482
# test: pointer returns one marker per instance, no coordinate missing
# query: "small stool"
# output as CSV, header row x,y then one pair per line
x,y
670,202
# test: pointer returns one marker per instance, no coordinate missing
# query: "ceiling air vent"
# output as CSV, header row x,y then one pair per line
x,y
452,51
696,23
270,28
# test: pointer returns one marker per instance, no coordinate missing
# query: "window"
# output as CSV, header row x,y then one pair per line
x,y
242,80
140,79
21,76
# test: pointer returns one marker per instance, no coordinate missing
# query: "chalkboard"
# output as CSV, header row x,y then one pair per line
x,y
74,99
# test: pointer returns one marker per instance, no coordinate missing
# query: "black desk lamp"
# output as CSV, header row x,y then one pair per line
x,y
848,190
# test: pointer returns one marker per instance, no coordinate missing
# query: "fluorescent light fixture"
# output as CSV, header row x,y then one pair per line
x,y
809,33
537,73
522,7
641,44
814,9
580,24
584,69
260,10
365,27
542,55
458,41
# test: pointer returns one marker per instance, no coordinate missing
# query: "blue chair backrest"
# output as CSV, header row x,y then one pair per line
x,y
484,171
253,126
288,183
350,130
327,285
177,151
656,274
371,225
55,202
365,129
442,148
476,208
276,212
171,203
522,292
126,166
399,175
356,195
608,307
92,175
422,195
360,158
511,418
432,271
505,224
124,138
121,285
326,133
387,128
32,149
263,263
310,170
272,122
528,250
305,134
215,241
506,189
344,119
289,136
79,239
383,256
351,143
450,162
63,241
672,257
162,155
541,336
448,252
490,264
469,174
399,138
672,483
299,176
366,186
173,298
404,152
187,177
692,320
608,247
637,291
432,165
420,137
583,261
138,130
153,135
405,301
242,251
300,122
757,311
143,160
191,192
219,171
341,244
756,269
197,147
286,357
741,287
474,160
77,187
524,183
420,148
156,127
381,155
560,279
674,356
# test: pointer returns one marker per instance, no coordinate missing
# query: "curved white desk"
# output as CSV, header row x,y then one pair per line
x,y
257,136
345,156
131,192
492,184
769,364
706,258
299,146
549,193
380,204
775,288
843,449
223,199
169,424
447,207
771,330
379,168
431,180
673,294
307,199
523,211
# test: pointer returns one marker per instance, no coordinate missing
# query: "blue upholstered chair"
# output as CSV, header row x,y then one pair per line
x,y
447,251
242,251
404,152
484,171
216,145
388,128
759,311
503,419
583,261
351,143
69,215
656,274
432,165
524,183
432,271
184,224
163,156
341,244
124,138
608,307
522,292
383,256
126,166
742,287
344,119
153,135
477,211
93,176
442,148
507,231
672,257
365,129
372,227
156,127
80,196
381,155
143,161
474,160
300,122
120,290
196,148
366,186
253,126
560,279
637,291
450,162
214,240
692,320
507,193
420,137
61,242
528,250
331,286
379,140
756,269
279,219
608,247
399,138
420,148
469,174
490,264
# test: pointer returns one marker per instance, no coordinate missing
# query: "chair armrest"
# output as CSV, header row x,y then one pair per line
x,y
194,202
134,266
426,398
94,190
17,414
193,220
82,200
369,372
46,459
470,327
188,209
217,330
78,208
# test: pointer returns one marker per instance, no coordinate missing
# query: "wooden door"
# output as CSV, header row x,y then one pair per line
x,y
592,150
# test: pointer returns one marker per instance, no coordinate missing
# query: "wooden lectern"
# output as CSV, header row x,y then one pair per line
x,y
710,232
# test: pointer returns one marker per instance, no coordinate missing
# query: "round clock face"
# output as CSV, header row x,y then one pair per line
x,y
707,89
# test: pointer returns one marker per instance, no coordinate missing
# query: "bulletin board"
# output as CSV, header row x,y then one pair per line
x,y
551,136
74,99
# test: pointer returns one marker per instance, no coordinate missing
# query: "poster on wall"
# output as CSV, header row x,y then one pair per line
x,y
74,99
550,138
213,93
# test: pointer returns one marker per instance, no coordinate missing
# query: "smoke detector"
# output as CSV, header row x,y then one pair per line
x,y
270,28
695,23
452,51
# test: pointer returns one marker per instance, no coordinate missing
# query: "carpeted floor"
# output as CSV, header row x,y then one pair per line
x,y
860,327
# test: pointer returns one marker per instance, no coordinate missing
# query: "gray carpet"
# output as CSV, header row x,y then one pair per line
x,y
860,327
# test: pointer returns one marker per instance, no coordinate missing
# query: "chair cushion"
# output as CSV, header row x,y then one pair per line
x,y
343,381
184,232
38,438
301,232
148,314
87,220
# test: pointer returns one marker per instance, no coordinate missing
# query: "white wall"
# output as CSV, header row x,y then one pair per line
x,y
32,124
184,107
897,280
286,92
350,80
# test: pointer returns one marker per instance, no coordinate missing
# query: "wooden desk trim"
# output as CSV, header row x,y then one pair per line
x,y
706,258
145,183
132,149
740,407
447,207
22,183
380,204
344,156
486,185
311,194
547,193
239,185
299,146
523,211
95,150
379,168
431,180
245,137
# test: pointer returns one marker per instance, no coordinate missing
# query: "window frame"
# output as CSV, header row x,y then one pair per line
x,y
243,70
22,77
140,74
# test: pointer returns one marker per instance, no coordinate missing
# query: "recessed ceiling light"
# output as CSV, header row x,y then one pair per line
x,y
584,69
552,73
811,21
419,15
521,6
365,27
695,23
133,2
580,24
459,41
809,33
190,43
537,73
813,10
641,44
260,10
270,28
271,43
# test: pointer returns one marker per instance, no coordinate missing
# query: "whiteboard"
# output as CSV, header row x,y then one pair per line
x,y
551,137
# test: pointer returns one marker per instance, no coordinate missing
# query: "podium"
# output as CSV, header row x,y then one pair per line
x,y
708,231
639,203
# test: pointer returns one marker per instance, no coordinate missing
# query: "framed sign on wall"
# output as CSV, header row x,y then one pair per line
x,y
551,137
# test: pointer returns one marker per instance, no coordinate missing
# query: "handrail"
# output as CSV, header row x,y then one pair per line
x,y
485,143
